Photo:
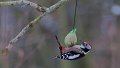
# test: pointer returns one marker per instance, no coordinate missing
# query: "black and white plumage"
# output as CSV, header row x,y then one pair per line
x,y
75,52
72,55
85,47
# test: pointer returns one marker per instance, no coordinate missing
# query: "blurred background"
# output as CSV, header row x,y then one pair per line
x,y
97,22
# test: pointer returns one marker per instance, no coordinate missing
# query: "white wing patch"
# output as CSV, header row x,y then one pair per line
x,y
74,56
85,52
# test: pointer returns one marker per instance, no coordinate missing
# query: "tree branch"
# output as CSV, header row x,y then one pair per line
x,y
24,2
31,24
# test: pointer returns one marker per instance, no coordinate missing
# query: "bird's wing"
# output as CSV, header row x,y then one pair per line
x,y
72,49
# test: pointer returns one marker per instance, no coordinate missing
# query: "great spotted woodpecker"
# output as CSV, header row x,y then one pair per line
x,y
74,52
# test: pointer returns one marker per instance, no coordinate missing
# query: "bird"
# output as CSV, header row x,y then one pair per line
x,y
74,52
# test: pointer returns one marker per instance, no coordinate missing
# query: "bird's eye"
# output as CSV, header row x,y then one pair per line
x,y
85,43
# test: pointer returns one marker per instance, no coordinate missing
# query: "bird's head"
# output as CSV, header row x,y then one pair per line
x,y
85,47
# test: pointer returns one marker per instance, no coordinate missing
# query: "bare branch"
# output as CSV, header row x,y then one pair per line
x,y
33,23
24,2
8,3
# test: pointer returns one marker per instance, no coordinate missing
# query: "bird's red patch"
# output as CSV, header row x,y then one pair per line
x,y
62,49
